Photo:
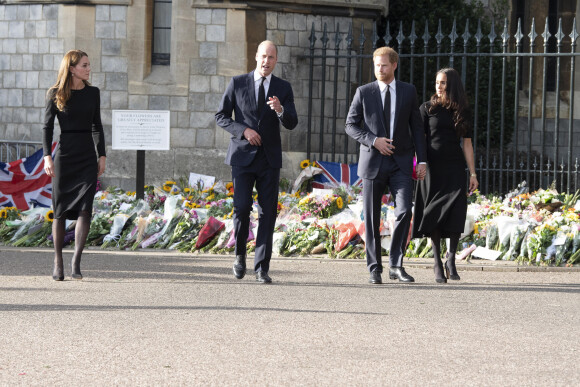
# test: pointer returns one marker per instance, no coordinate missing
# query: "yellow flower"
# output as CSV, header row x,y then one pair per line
x,y
339,202
49,217
166,188
169,182
305,163
229,185
210,197
3,213
187,190
207,206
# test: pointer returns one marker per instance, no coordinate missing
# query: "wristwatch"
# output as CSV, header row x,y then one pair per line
x,y
473,175
282,112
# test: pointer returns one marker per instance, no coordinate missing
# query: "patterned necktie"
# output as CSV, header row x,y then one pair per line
x,y
261,96
387,111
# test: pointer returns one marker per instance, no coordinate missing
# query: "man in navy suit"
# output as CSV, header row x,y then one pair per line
x,y
384,118
260,102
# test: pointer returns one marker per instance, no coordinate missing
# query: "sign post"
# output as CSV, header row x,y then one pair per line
x,y
140,130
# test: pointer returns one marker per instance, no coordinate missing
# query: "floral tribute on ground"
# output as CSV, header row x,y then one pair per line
x,y
538,228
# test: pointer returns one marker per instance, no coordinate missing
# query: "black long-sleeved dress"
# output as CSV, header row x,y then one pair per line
x,y
82,141
441,198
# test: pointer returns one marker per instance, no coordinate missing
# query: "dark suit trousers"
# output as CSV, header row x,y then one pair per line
x,y
401,188
267,181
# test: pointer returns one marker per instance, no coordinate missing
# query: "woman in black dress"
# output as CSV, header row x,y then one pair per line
x,y
80,158
441,199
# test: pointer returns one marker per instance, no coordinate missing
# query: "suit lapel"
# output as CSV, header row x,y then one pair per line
x,y
398,103
252,92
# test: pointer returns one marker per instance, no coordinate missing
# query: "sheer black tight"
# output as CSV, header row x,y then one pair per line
x,y
58,230
436,246
81,232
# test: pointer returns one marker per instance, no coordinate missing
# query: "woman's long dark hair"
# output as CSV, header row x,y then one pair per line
x,y
454,100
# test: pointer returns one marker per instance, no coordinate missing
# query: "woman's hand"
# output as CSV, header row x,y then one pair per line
x,y
48,166
473,183
102,162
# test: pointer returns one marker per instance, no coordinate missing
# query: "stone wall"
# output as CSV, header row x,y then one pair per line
x,y
209,46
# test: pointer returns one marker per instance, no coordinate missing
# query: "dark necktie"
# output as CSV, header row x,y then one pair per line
x,y
387,111
261,96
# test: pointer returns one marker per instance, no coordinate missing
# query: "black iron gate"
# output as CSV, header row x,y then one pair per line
x,y
502,76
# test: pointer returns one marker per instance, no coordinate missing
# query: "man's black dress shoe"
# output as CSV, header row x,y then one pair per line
x,y
401,274
240,266
263,277
375,277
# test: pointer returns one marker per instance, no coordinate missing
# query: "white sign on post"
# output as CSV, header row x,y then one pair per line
x,y
141,129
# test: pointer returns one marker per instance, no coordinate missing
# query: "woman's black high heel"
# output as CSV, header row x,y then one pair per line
x,y
76,269
451,271
58,271
439,276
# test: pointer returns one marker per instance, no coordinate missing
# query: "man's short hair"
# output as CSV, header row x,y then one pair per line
x,y
391,53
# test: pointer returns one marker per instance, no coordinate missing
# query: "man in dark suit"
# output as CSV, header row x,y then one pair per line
x,y
259,102
384,118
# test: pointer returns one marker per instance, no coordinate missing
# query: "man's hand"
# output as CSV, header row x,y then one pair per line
x,y
274,104
253,137
384,145
421,171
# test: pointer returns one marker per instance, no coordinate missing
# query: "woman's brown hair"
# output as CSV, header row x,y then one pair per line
x,y
454,100
63,85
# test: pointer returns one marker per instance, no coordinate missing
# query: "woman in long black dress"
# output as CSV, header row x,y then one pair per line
x,y
441,199
80,158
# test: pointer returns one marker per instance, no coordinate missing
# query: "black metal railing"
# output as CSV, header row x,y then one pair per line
x,y
14,150
510,144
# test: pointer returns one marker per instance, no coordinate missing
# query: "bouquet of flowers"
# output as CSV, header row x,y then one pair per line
x,y
114,235
32,221
9,223
321,206
185,231
209,230
302,240
153,223
39,228
100,226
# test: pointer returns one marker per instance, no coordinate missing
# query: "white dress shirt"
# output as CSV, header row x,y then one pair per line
x,y
393,90
258,80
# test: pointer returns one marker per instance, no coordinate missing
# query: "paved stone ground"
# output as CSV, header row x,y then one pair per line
x,y
163,318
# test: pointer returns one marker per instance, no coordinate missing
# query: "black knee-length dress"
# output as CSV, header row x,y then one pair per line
x,y
441,198
81,142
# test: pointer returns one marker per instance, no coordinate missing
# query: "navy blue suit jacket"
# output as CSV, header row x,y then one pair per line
x,y
240,99
365,122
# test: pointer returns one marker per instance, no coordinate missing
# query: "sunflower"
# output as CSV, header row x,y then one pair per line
x,y
305,163
210,197
187,190
167,188
49,217
3,213
229,186
170,182
339,203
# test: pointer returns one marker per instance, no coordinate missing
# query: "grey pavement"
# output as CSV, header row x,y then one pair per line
x,y
166,318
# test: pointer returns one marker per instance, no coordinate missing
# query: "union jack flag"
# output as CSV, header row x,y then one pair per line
x,y
24,184
335,174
